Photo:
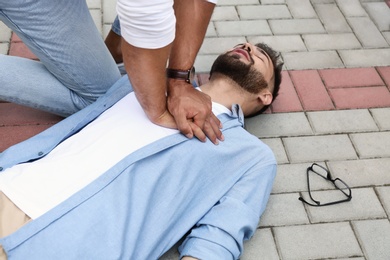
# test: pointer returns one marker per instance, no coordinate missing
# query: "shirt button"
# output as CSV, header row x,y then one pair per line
x,y
40,153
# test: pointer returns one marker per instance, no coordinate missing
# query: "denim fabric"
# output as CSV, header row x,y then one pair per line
x,y
116,27
65,39
149,200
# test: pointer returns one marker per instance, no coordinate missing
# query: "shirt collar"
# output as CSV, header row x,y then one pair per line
x,y
235,112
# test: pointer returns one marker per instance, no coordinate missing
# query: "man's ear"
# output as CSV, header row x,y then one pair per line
x,y
265,97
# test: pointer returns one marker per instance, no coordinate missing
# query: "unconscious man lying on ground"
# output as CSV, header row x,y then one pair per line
x,y
106,183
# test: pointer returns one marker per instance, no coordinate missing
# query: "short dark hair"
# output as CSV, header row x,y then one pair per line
x,y
278,64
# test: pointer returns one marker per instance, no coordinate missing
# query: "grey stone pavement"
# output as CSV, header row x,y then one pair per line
x,y
353,144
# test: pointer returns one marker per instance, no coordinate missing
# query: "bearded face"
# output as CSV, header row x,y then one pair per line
x,y
245,75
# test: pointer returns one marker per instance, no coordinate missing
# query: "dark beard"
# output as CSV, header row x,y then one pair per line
x,y
245,75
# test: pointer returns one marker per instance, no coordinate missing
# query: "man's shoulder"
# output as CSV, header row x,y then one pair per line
x,y
240,139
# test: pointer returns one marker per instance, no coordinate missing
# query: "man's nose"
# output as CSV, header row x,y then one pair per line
x,y
247,47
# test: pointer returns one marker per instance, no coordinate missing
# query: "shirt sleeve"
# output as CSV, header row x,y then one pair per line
x,y
147,24
220,234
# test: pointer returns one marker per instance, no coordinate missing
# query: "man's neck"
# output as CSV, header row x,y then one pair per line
x,y
222,92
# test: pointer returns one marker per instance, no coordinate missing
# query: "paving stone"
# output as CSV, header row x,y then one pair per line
x,y
287,99
203,62
343,121
333,19
322,1
261,244
364,205
374,236
351,8
277,147
284,210
385,74
319,148
211,32
109,11
310,60
296,26
365,58
352,258
281,43
387,36
97,18
293,178
366,31
5,33
225,13
20,115
340,41
311,90
301,9
106,30
360,97
362,173
15,37
384,196
381,116
171,254
219,45
256,12
318,241
237,2
372,145
267,2
21,50
277,125
238,28
94,4
380,14
353,77
4,48
10,135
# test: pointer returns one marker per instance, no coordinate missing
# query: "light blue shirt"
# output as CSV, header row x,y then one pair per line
x,y
149,200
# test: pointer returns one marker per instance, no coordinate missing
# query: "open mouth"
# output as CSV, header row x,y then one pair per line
x,y
243,53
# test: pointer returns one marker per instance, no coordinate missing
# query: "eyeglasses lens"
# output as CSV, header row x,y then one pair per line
x,y
342,186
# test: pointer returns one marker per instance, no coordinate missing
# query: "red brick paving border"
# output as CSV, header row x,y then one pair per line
x,y
17,115
356,77
365,97
10,135
18,48
287,100
311,90
21,50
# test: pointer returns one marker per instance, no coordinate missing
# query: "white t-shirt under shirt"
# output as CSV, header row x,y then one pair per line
x,y
148,24
39,186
